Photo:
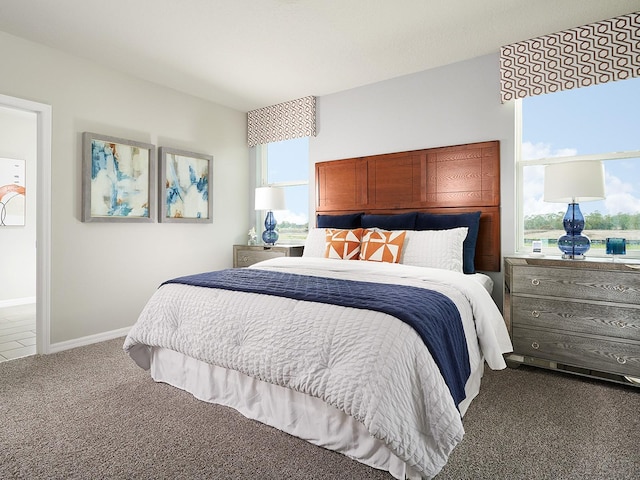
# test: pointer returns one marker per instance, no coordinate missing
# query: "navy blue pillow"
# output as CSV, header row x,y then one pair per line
x,y
351,220
402,221
432,221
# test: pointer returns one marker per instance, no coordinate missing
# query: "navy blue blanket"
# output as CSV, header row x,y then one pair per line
x,y
431,314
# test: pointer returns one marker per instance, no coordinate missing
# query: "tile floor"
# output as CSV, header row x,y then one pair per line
x,y
17,332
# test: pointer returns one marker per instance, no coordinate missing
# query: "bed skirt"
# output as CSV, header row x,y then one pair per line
x,y
295,413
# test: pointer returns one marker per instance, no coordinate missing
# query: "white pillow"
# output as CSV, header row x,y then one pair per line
x,y
315,244
434,248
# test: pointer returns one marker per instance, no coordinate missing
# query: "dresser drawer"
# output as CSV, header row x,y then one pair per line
x,y
246,255
582,283
244,258
596,353
608,320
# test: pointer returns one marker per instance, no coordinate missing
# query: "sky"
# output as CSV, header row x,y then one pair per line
x,y
289,162
584,121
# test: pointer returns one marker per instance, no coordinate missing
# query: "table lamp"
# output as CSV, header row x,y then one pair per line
x,y
574,182
270,198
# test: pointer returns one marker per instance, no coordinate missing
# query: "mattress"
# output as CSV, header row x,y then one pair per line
x,y
484,280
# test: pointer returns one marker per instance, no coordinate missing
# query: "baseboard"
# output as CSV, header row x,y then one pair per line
x,y
89,340
14,302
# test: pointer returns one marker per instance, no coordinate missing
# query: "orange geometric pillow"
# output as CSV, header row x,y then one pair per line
x,y
343,244
382,245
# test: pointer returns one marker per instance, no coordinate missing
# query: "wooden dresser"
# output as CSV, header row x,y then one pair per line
x,y
579,316
245,255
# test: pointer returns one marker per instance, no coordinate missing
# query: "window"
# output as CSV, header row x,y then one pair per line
x,y
286,164
601,122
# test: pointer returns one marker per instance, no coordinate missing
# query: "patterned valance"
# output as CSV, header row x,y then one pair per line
x,y
597,53
283,121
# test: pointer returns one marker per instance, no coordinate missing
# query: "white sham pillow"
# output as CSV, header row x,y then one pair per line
x,y
315,244
434,248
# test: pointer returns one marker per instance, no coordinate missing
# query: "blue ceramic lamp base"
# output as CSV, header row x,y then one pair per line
x,y
270,236
573,244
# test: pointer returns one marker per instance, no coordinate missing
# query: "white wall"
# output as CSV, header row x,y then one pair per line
x,y
451,105
103,273
18,243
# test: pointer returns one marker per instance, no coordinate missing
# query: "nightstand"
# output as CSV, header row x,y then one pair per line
x,y
579,316
245,255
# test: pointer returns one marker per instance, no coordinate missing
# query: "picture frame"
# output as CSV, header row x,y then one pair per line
x,y
185,187
118,179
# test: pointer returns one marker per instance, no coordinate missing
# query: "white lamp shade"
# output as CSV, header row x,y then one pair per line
x,y
574,182
270,198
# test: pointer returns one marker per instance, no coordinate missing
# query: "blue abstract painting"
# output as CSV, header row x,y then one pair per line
x,y
119,180
187,187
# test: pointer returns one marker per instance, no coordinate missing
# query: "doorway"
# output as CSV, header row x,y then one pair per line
x,y
38,116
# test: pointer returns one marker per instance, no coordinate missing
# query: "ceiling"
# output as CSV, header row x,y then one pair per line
x,y
247,54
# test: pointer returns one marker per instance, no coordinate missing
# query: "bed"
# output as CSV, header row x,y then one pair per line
x,y
371,344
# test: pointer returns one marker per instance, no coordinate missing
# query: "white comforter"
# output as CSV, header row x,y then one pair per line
x,y
371,366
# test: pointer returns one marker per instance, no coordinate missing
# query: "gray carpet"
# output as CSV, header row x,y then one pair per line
x,y
92,413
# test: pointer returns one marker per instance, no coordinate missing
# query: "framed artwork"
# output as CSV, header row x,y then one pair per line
x,y
185,186
118,180
12,192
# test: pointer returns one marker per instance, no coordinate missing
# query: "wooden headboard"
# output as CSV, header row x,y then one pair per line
x,y
458,179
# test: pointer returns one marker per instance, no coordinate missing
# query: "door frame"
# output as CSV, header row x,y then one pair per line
x,y
43,216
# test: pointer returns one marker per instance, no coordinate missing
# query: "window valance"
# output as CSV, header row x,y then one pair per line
x,y
596,53
283,121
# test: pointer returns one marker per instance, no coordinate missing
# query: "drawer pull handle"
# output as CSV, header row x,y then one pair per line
x,y
535,282
535,314
535,345
621,360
